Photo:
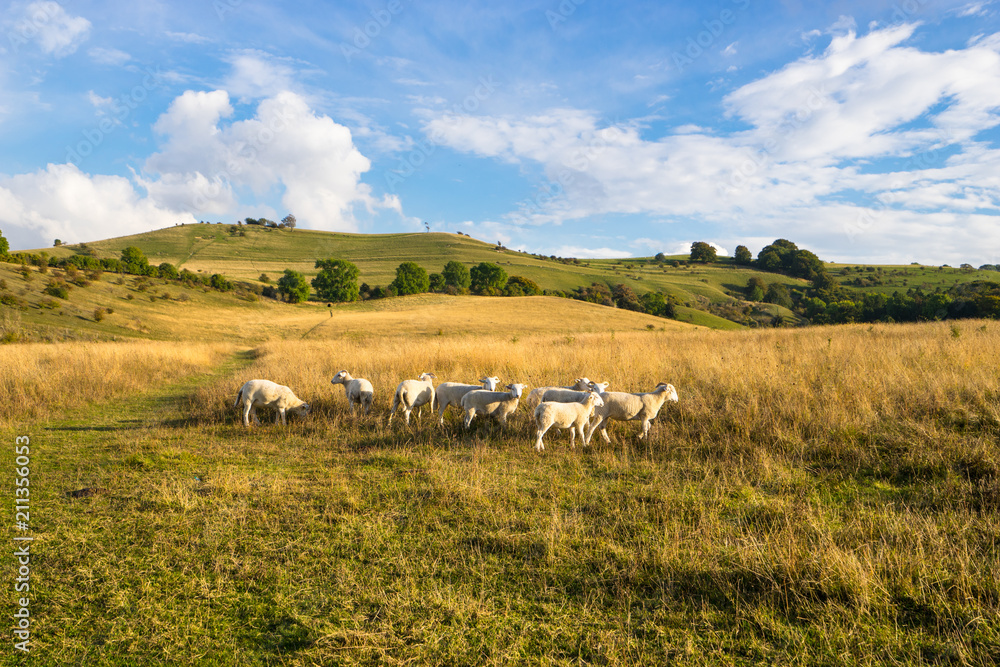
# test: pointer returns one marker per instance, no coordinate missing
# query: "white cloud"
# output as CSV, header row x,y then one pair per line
x,y
256,75
819,131
62,202
57,32
108,56
205,163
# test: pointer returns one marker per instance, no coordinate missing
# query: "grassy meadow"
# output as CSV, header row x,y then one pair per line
x,y
818,496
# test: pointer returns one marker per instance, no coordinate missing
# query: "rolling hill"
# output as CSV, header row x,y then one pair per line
x,y
249,253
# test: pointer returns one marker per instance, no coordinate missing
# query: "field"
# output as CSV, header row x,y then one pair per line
x,y
818,496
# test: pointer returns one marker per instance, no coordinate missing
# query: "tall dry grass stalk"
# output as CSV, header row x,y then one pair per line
x,y
41,380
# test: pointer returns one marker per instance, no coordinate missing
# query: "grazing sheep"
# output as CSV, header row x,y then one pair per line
x,y
413,394
256,393
451,393
624,407
535,397
573,416
358,391
499,404
563,395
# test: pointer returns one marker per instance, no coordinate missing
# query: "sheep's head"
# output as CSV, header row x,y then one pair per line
x,y
582,384
340,378
668,389
427,377
490,383
300,410
599,387
596,398
516,390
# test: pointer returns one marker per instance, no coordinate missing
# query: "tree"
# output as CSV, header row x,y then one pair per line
x,y
625,297
337,280
702,252
778,294
779,256
168,271
487,278
411,278
755,289
660,257
292,287
437,282
742,256
134,261
4,246
655,303
456,274
289,221
520,286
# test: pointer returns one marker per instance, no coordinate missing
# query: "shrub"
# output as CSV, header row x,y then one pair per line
x,y
411,278
57,288
98,314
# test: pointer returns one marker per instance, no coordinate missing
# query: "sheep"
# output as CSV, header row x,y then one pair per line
x,y
535,397
621,406
413,394
573,416
358,391
451,393
255,393
499,404
563,395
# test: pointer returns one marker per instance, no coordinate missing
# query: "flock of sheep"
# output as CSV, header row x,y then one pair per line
x,y
570,407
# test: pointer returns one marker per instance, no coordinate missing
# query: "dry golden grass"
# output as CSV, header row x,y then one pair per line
x,y
41,380
819,496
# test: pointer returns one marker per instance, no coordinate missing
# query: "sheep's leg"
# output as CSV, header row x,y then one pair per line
x,y
645,429
600,426
539,445
246,414
469,414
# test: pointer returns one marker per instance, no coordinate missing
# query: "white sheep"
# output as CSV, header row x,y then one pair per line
x,y
624,407
563,395
573,416
451,393
359,391
535,397
257,393
499,404
413,394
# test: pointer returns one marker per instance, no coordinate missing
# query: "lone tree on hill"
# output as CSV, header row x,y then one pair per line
x,y
292,286
411,278
702,252
337,280
289,221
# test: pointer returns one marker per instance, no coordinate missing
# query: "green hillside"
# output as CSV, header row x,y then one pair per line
x,y
215,249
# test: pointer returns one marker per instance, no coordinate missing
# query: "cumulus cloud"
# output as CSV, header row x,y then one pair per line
x,y
62,202
206,162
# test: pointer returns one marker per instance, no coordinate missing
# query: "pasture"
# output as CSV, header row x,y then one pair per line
x,y
819,496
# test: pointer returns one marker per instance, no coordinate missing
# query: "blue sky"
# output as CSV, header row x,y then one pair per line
x,y
864,131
